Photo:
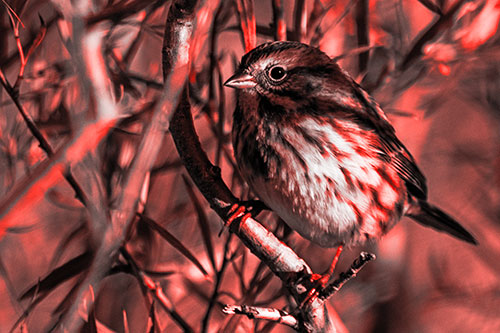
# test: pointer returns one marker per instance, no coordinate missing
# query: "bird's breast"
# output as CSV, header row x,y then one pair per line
x,y
322,176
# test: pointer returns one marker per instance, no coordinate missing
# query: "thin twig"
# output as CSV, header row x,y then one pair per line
x,y
429,33
11,12
270,314
317,36
44,144
218,280
318,12
22,59
356,266
362,32
10,59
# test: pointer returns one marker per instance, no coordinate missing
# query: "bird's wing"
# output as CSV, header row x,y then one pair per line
x,y
393,150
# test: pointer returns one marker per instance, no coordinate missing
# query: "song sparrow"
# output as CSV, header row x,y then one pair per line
x,y
320,152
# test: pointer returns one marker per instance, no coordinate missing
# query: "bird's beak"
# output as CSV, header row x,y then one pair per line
x,y
241,81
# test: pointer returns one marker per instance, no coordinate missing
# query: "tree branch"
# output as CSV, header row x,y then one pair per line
x,y
254,312
280,258
356,266
282,261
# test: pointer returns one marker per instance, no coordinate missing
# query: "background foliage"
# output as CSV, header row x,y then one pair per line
x,y
89,80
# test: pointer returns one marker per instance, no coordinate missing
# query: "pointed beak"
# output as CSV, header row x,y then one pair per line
x,y
241,81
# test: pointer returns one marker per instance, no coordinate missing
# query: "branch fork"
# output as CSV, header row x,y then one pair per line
x,y
303,284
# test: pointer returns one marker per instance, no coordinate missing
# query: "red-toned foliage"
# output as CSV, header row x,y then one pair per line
x,y
103,230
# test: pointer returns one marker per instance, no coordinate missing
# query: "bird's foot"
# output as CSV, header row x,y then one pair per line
x,y
319,282
244,210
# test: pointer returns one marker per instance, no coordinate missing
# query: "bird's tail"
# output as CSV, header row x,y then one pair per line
x,y
434,217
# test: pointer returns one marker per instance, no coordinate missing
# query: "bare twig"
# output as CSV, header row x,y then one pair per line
x,y
22,59
11,58
356,266
270,314
362,32
317,36
12,13
218,280
32,188
433,29
44,144
318,12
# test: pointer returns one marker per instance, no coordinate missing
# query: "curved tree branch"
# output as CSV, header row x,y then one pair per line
x,y
290,268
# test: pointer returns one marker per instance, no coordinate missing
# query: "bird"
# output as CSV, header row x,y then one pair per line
x,y
320,152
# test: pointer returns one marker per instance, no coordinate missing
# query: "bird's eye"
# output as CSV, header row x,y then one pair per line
x,y
277,73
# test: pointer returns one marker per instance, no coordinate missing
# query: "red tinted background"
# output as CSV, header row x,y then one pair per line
x,y
433,66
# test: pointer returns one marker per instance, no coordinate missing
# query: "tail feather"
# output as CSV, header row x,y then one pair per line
x,y
434,217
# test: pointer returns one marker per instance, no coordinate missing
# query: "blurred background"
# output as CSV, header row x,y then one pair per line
x,y
433,65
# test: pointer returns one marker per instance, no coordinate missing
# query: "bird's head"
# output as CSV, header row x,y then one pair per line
x,y
285,72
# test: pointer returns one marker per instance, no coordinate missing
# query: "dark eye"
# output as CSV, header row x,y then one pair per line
x,y
277,73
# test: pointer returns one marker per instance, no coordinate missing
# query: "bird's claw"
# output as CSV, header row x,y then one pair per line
x,y
319,282
237,211
244,210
